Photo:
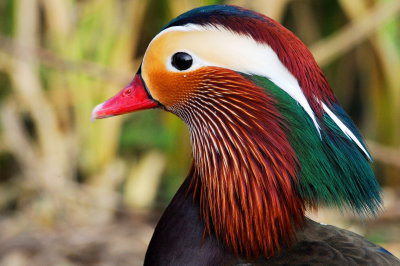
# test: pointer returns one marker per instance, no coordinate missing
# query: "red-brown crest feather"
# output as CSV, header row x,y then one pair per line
x,y
293,54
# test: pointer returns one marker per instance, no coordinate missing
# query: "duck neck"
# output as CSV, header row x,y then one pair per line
x,y
244,169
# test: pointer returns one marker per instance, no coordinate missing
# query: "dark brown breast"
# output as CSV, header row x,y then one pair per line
x,y
178,240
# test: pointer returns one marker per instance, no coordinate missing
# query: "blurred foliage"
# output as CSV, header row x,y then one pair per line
x,y
60,58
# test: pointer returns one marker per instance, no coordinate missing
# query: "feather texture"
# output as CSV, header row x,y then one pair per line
x,y
245,171
334,171
257,161
290,50
271,51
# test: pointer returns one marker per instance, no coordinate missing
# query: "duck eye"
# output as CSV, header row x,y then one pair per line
x,y
182,61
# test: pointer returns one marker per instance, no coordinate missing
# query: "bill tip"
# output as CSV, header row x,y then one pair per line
x,y
93,115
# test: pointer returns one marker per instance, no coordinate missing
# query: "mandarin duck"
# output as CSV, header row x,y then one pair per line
x,y
269,141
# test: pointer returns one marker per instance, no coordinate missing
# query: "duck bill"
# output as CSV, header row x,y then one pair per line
x,y
132,98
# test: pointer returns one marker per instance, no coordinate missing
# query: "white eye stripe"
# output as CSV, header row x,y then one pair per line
x,y
243,54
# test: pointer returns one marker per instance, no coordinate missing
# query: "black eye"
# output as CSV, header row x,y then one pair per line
x,y
182,61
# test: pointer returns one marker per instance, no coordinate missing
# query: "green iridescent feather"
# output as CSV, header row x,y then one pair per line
x,y
332,168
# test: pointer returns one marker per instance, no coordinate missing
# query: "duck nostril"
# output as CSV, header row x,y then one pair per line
x,y
127,92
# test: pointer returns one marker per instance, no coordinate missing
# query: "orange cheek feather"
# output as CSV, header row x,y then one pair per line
x,y
172,89
168,87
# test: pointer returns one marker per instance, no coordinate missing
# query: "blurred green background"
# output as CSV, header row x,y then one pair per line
x,y
75,192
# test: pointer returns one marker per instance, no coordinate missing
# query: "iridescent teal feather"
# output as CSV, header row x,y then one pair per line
x,y
333,170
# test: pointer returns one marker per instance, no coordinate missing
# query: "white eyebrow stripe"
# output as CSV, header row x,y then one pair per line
x,y
257,59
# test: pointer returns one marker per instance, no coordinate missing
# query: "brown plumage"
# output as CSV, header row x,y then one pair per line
x,y
248,196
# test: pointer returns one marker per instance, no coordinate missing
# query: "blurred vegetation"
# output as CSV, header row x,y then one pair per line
x,y
60,58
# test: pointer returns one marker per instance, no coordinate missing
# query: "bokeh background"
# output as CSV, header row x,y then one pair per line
x,y
74,192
